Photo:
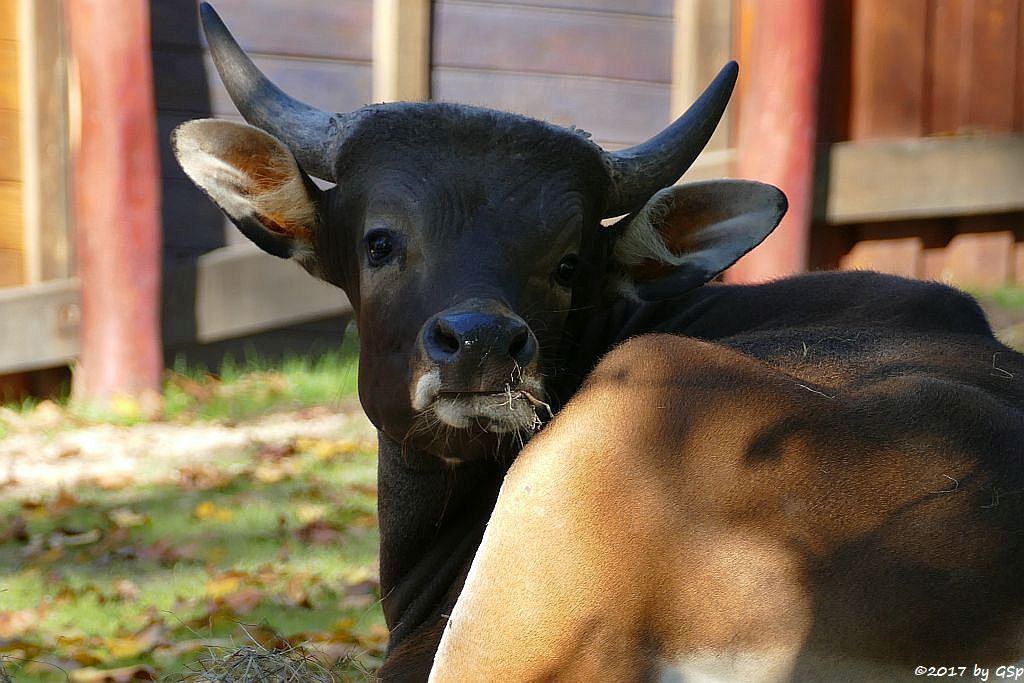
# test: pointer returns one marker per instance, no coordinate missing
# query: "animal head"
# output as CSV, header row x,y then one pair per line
x,y
464,237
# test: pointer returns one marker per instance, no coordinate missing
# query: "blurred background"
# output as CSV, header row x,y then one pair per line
x,y
894,127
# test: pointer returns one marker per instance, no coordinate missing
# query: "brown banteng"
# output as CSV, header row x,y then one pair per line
x,y
831,491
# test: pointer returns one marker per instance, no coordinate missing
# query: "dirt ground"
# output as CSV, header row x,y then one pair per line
x,y
41,453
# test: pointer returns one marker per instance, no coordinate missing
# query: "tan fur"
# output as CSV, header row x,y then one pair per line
x,y
247,171
701,228
639,534
642,240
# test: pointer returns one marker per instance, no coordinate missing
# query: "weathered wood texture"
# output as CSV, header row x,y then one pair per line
x,y
925,177
573,63
116,202
319,52
241,291
888,63
924,67
947,68
12,262
45,141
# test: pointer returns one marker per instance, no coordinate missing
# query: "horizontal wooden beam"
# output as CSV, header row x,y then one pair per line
x,y
239,290
711,165
227,293
924,177
39,325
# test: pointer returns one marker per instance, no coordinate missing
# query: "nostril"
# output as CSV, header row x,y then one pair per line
x,y
522,346
443,339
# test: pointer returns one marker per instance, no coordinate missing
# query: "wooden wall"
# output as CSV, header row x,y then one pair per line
x,y
316,51
11,233
602,65
922,68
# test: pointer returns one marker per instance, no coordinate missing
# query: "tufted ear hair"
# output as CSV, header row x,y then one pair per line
x,y
687,234
255,180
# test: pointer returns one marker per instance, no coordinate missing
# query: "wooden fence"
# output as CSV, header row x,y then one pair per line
x,y
944,80
920,166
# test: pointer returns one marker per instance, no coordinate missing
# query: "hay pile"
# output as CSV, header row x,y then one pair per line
x,y
256,664
4,677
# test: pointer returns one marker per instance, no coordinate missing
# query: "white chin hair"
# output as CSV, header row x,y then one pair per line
x,y
498,413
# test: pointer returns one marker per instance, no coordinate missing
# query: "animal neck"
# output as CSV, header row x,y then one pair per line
x,y
431,522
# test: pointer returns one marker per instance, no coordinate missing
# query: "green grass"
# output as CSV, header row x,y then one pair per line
x,y
218,564
275,546
257,385
240,390
1009,297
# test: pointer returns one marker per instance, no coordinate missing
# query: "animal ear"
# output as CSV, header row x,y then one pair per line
x,y
255,180
687,234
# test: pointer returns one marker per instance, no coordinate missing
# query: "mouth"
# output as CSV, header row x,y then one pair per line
x,y
516,408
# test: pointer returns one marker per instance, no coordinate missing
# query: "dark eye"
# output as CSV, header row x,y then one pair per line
x,y
379,246
565,273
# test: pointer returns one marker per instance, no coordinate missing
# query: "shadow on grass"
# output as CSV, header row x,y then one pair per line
x,y
271,553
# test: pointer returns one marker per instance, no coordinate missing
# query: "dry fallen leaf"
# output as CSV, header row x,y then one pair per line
x,y
135,644
126,518
126,590
319,532
17,530
208,510
223,584
243,601
62,538
307,513
111,481
325,449
17,622
202,477
125,674
272,473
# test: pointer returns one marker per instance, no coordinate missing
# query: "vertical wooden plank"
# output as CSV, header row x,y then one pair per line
x,y
990,96
980,259
10,215
11,267
701,44
116,203
888,68
948,65
8,75
10,146
933,264
44,144
778,128
896,256
1018,117
9,20
401,50
834,108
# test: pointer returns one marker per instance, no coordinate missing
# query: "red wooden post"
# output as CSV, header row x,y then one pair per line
x,y
116,202
778,126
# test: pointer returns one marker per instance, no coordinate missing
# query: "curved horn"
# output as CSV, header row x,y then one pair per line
x,y
312,135
640,171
